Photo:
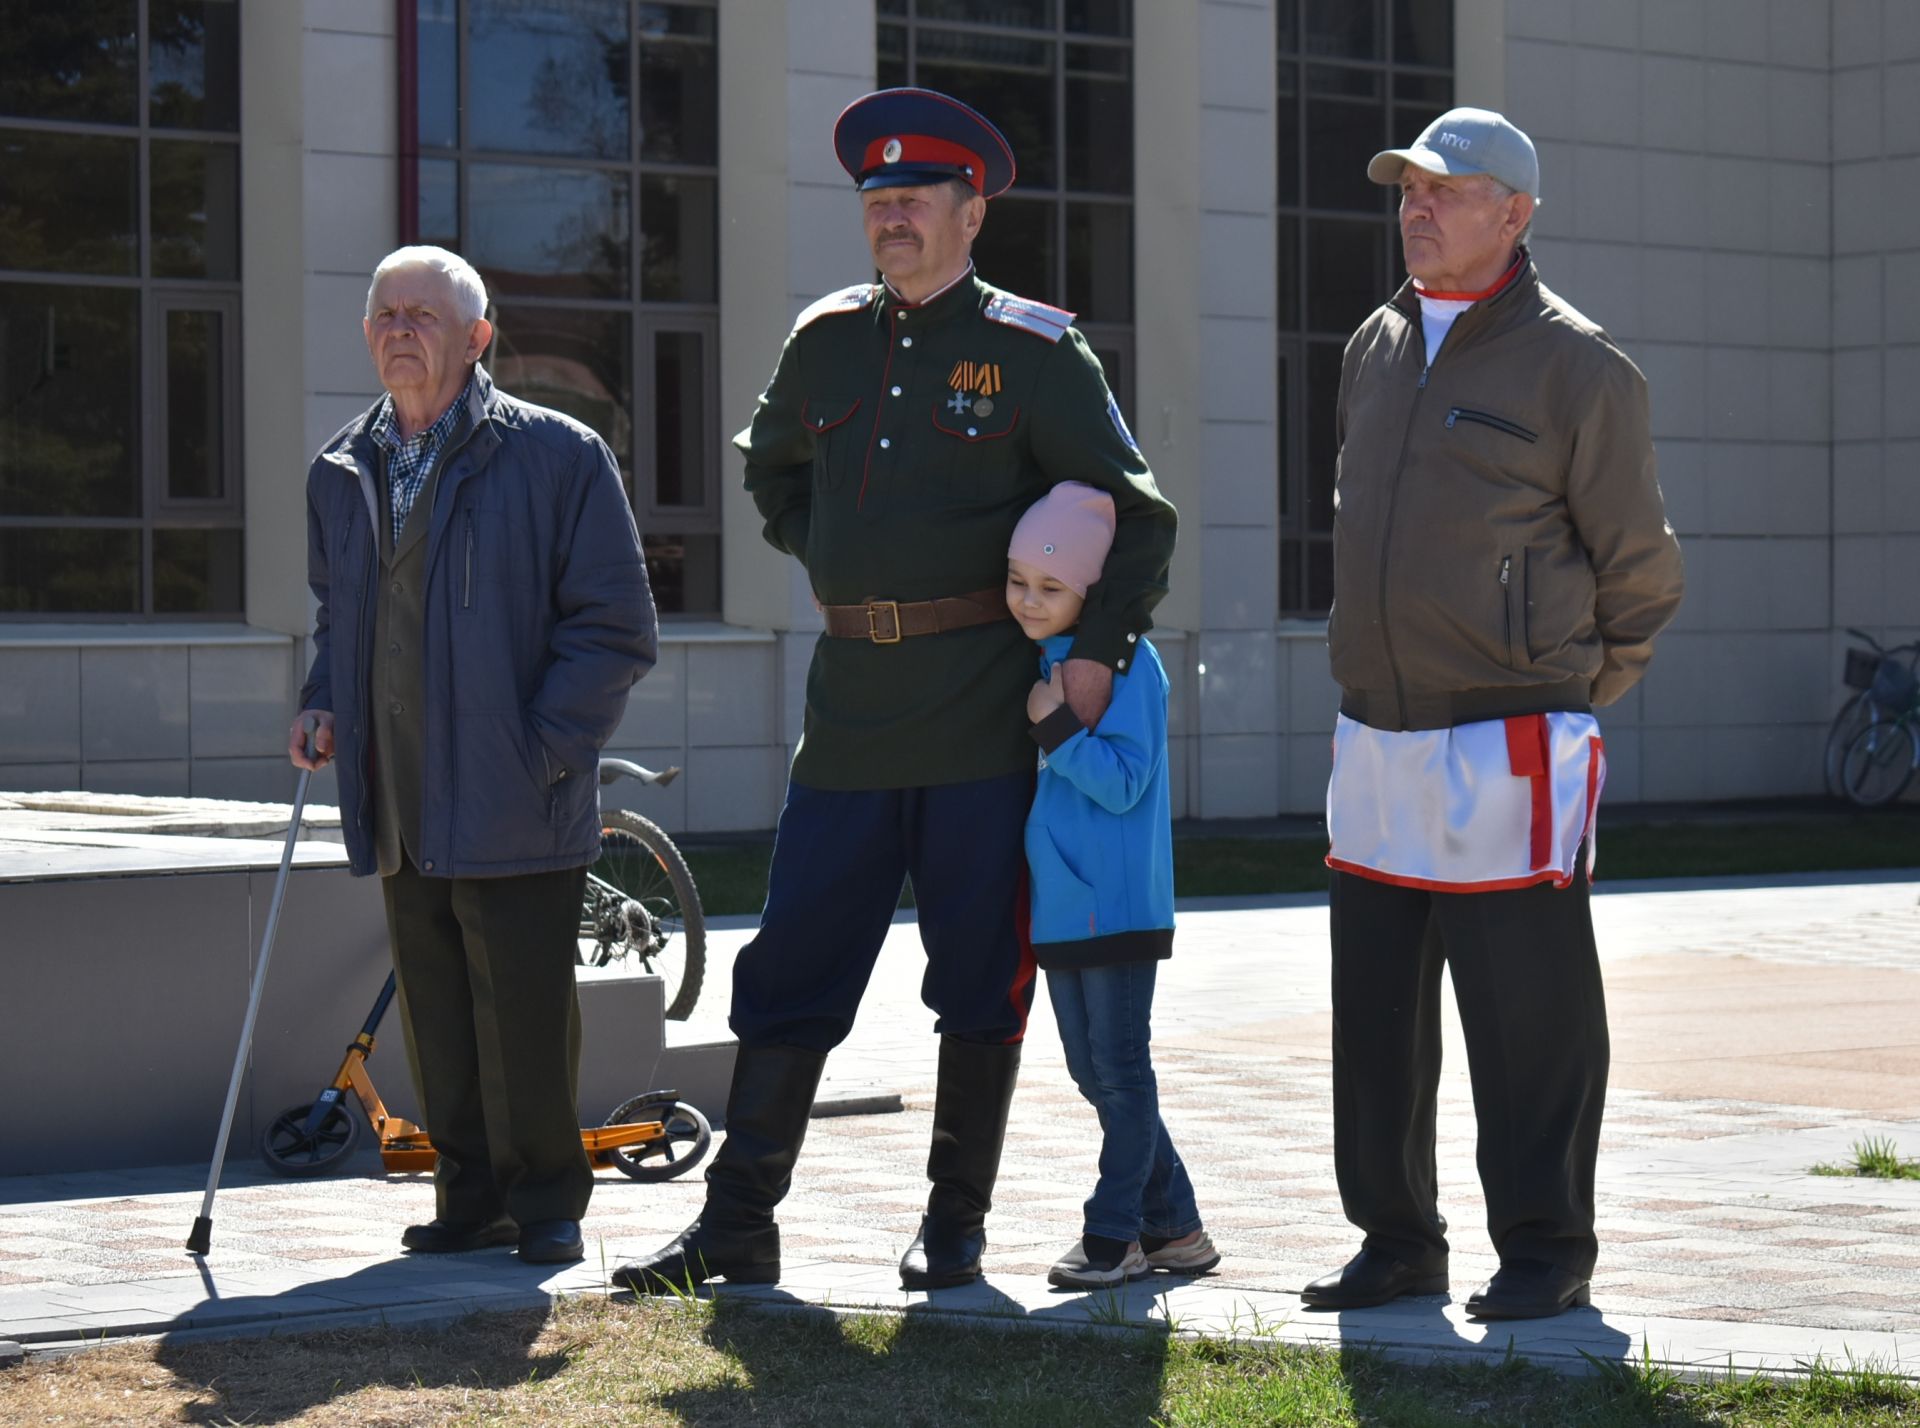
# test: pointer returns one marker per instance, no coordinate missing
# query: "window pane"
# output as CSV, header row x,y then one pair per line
x,y
1283,418
195,209
1423,32
1319,576
1287,125
1100,17
1016,248
1026,14
679,419
1286,25
1287,289
1323,393
548,79
679,218
576,362
1346,266
437,32
197,572
69,203
75,60
440,203
193,64
196,433
893,7
1412,122
680,98
684,572
1100,261
1099,102
1342,135
891,58
70,572
69,401
550,232
1009,80
1346,29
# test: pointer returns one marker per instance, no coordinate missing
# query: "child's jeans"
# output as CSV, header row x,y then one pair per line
x,y
1104,1015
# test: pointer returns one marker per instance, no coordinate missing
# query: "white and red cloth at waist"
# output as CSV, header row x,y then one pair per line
x,y
1481,807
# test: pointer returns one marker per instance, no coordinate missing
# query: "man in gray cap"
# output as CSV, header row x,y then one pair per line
x,y
1502,564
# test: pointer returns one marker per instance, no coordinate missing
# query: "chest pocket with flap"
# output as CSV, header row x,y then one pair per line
x,y
837,448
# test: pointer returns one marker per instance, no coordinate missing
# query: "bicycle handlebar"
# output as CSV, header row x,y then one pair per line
x,y
611,769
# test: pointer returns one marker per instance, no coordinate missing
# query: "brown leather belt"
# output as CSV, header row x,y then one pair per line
x,y
887,622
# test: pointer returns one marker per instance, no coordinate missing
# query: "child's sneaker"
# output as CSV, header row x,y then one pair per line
x,y
1190,1254
1098,1262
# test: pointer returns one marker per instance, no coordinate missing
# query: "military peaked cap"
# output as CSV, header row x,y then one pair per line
x,y
895,138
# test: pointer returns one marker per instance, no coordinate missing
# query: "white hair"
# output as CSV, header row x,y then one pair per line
x,y
469,292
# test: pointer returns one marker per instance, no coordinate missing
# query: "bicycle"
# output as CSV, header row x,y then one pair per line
x,y
1881,759
1862,709
640,901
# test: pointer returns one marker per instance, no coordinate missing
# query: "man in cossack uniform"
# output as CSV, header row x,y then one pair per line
x,y
908,425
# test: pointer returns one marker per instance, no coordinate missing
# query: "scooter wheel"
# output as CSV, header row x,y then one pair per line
x,y
289,1150
685,1144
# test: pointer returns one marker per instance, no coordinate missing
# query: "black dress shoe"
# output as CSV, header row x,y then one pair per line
x,y
458,1236
1370,1277
703,1251
1530,1289
551,1242
943,1255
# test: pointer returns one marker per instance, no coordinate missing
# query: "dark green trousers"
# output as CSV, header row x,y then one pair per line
x,y
486,991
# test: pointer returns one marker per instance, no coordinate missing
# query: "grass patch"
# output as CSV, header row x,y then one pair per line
x,y
732,877
592,1362
1877,1158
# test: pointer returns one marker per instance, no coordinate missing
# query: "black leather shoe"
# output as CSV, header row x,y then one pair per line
x,y
943,1254
459,1236
1370,1277
1530,1289
702,1252
551,1242
963,1161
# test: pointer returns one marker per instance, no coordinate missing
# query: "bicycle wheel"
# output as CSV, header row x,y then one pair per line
x,y
1879,763
684,1145
641,903
1858,712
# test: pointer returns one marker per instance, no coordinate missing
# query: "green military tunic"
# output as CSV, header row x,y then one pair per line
x,y
893,452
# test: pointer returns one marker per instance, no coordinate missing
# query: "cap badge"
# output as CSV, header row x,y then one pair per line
x,y
892,151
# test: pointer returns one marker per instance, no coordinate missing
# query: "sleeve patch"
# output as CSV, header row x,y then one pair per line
x,y
1120,424
1039,318
846,300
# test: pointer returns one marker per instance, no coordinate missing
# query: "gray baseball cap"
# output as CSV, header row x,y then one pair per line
x,y
1467,141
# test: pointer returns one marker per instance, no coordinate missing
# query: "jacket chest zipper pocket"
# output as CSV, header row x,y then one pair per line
x,y
466,594
1511,428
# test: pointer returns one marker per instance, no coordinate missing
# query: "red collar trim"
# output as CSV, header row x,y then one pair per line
x,y
1505,278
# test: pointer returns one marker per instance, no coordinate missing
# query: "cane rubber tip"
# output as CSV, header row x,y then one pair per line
x,y
201,1240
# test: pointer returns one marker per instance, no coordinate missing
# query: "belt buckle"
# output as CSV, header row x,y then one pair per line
x,y
892,609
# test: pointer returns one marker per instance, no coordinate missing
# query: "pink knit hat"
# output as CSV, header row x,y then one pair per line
x,y
1066,533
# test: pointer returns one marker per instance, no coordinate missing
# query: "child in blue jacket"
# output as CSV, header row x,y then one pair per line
x,y
1100,852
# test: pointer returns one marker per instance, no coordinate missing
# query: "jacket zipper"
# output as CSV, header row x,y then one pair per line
x,y
1506,601
1386,542
1488,419
466,596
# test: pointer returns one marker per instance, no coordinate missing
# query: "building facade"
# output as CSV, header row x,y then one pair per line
x,y
193,192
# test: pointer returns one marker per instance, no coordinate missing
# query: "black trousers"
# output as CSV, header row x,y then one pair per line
x,y
1526,979
839,860
486,992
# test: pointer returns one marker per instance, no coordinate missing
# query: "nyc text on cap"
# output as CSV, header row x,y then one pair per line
x,y
1467,141
896,138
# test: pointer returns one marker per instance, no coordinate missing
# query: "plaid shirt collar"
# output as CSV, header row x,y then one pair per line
x,y
409,460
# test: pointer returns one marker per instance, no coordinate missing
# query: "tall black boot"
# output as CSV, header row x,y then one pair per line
x,y
969,1127
735,1236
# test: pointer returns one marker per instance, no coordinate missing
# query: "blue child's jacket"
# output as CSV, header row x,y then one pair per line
x,y
1100,837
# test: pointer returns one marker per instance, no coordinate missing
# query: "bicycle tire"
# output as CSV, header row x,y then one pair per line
x,y
1858,712
662,884
1879,763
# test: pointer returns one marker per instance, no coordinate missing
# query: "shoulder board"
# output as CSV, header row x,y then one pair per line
x,y
1038,318
846,300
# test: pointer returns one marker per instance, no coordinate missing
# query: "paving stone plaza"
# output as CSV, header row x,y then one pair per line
x,y
1759,1028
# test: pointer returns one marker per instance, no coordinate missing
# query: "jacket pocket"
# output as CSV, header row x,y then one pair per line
x,y
1455,415
504,813
973,457
1065,906
1513,591
835,447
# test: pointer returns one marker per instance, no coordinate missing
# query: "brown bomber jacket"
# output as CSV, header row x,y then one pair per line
x,y
1500,543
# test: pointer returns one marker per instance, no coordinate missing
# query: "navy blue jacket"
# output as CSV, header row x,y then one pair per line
x,y
538,621
1100,836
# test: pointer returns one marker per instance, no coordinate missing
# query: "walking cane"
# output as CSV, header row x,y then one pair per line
x,y
201,1240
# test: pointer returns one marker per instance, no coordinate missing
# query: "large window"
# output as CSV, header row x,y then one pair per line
x,y
569,152
1056,76
119,308
1354,77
